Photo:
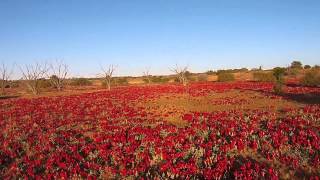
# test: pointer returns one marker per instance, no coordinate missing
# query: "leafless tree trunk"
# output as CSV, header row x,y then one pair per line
x,y
59,72
147,76
181,74
32,75
107,74
5,74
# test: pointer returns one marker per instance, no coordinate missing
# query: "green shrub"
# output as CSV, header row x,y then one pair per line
x,y
44,84
121,81
192,78
159,79
292,72
311,78
232,70
115,81
263,76
278,73
277,88
224,77
80,82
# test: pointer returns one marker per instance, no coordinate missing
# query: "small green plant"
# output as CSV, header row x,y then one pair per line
x,y
311,78
225,77
278,73
80,82
263,76
159,79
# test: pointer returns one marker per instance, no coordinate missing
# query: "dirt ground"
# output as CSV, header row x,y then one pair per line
x,y
172,107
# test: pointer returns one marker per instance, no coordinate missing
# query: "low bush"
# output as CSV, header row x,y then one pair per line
x,y
263,76
311,78
80,82
44,84
224,77
159,79
232,70
278,73
192,78
277,88
121,81
104,83
292,72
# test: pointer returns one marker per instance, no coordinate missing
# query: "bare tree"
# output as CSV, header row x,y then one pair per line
x,y
58,74
32,74
147,76
181,74
107,75
5,74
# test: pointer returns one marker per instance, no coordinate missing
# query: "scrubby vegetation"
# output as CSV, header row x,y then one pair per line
x,y
121,81
202,78
225,77
44,83
311,78
159,79
278,73
80,82
232,70
262,76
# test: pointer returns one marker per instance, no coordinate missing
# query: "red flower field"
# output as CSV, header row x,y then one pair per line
x,y
203,131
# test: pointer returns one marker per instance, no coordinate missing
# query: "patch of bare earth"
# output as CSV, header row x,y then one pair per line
x,y
171,107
